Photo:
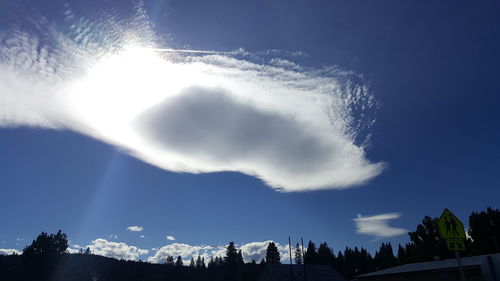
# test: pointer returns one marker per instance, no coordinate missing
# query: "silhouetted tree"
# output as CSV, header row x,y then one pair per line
x,y
311,256
427,242
325,254
298,254
45,244
87,251
198,262
231,254
239,258
179,261
484,229
170,260
385,258
401,255
272,254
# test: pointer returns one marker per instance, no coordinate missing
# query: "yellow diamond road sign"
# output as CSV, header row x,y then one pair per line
x,y
452,230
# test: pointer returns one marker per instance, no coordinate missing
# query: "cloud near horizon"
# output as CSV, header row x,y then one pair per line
x,y
250,251
7,252
118,250
295,128
378,226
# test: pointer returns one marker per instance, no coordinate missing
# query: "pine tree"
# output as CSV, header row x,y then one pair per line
x,y
311,256
211,263
198,262
191,263
401,255
272,254
239,258
170,260
385,258
325,254
231,254
179,262
203,266
298,254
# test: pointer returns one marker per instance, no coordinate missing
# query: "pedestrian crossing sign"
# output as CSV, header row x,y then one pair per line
x,y
452,230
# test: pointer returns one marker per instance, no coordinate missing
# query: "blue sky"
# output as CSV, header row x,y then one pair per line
x,y
341,110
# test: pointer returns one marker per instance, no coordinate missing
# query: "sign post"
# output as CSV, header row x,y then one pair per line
x,y
451,229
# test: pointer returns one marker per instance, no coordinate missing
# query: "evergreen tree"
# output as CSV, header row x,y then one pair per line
x,y
239,258
87,251
401,255
211,263
231,254
325,254
272,254
199,262
427,242
170,260
484,229
203,266
298,254
191,263
179,261
385,258
311,256
45,244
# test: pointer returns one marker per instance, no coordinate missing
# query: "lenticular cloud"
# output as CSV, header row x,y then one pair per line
x,y
295,128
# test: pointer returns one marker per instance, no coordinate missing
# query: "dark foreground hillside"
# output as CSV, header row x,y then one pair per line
x,y
82,267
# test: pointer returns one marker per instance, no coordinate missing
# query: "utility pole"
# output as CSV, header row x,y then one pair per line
x,y
291,264
303,258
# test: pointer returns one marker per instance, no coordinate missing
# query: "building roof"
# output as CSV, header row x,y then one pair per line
x,y
281,272
432,265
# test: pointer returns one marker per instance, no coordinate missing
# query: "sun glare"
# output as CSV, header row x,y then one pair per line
x,y
120,86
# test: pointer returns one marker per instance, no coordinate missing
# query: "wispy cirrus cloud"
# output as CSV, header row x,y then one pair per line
x,y
378,225
135,228
294,127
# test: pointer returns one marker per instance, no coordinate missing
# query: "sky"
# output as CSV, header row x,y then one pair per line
x,y
151,128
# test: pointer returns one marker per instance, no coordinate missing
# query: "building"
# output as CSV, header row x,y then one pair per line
x,y
484,267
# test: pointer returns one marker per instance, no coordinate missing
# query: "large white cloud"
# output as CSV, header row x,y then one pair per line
x,y
295,128
117,250
378,225
250,251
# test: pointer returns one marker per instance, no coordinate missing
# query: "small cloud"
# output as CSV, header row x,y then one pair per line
x,y
170,238
113,236
135,228
142,236
378,225
19,239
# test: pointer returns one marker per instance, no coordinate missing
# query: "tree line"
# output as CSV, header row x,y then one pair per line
x,y
47,258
